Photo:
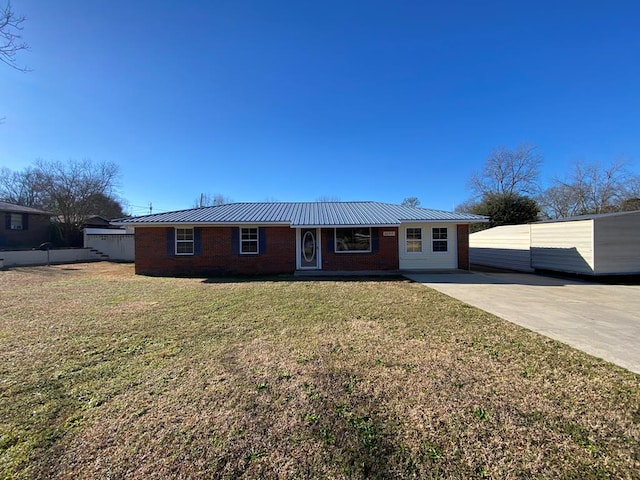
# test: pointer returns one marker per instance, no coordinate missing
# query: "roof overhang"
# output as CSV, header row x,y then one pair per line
x,y
357,225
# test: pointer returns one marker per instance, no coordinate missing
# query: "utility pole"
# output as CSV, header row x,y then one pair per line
x,y
150,208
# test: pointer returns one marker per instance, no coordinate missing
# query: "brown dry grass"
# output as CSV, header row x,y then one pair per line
x,y
108,375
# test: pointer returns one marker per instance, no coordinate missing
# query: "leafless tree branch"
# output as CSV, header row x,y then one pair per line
x,y
508,172
11,38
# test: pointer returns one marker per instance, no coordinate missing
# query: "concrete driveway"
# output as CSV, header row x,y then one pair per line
x,y
602,320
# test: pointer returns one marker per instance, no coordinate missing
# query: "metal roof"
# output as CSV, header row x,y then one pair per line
x,y
593,216
302,214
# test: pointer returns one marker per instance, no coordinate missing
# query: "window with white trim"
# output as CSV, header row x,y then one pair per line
x,y
16,221
184,241
440,239
249,240
353,240
414,240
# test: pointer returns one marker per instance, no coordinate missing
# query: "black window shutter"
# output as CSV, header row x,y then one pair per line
x,y
171,241
7,221
375,243
330,242
25,221
262,240
235,240
197,241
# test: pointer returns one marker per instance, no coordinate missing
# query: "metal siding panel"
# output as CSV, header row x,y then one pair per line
x,y
563,246
502,247
617,244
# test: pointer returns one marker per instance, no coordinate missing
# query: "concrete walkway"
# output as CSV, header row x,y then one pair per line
x,y
602,320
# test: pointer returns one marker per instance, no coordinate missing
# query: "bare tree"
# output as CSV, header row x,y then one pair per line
x,y
411,202
211,200
632,195
72,191
558,201
590,188
508,172
26,188
10,37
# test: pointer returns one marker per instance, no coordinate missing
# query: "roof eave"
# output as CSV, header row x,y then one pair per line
x,y
355,225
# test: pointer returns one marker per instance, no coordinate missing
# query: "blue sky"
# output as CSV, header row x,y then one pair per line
x,y
295,100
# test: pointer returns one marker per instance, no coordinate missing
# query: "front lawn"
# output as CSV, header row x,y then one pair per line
x,y
108,375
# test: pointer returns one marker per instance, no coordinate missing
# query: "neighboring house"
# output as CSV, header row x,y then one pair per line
x,y
605,244
273,238
97,221
23,227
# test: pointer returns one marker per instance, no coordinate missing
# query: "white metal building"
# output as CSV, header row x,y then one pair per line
x,y
605,244
502,247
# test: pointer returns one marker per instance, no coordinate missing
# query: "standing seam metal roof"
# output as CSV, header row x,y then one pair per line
x,y
299,214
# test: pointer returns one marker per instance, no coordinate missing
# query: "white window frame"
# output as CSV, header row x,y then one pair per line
x,y
185,241
433,240
243,241
16,221
407,240
335,240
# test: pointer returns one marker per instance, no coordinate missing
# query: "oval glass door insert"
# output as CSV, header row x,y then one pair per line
x,y
309,246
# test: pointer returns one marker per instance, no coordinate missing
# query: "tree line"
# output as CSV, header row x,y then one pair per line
x,y
72,191
508,189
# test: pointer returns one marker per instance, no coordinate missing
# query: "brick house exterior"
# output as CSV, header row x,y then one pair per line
x,y
23,227
283,238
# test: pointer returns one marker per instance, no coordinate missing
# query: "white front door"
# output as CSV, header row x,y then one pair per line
x,y
308,249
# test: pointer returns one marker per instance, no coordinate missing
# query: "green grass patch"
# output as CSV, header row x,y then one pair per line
x,y
104,374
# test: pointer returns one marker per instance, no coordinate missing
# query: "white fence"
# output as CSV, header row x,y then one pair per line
x,y
18,258
113,244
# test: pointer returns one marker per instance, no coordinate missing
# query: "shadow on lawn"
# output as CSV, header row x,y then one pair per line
x,y
356,437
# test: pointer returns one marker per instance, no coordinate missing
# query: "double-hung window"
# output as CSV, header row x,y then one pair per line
x,y
440,239
184,241
249,240
353,240
16,221
414,240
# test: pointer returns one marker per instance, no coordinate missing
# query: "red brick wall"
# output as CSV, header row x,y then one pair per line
x,y
385,258
463,247
217,257
217,254
36,233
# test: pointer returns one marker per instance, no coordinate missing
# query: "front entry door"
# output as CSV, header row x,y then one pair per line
x,y
309,248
